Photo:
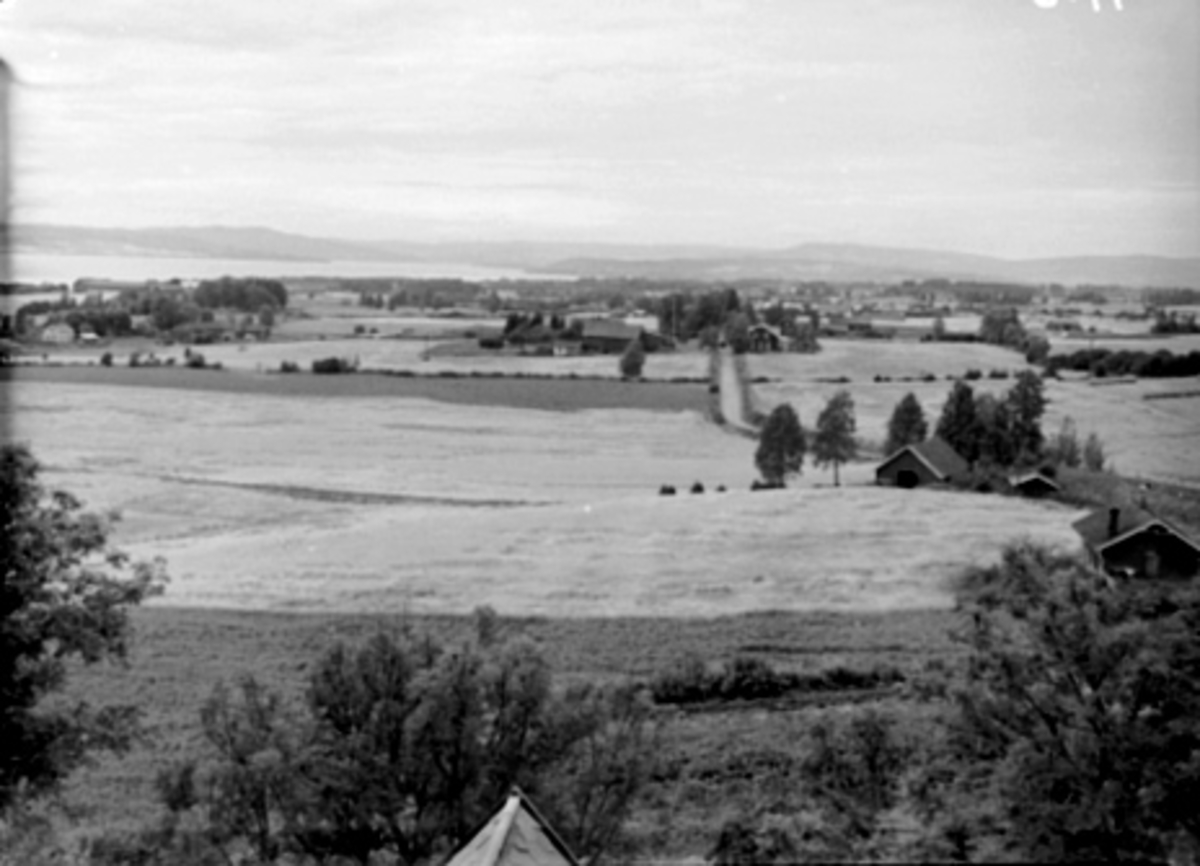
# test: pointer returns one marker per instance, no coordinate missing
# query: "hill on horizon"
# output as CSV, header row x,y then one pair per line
x,y
830,262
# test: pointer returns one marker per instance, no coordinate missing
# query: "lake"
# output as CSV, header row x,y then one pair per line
x,y
39,268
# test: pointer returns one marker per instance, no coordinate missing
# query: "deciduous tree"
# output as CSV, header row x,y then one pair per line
x,y
633,359
834,442
1082,704
781,446
65,596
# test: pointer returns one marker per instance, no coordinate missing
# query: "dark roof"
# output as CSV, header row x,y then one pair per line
x,y
1034,481
1095,532
610,329
766,329
935,453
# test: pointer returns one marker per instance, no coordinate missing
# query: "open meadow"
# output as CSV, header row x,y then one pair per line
x,y
376,504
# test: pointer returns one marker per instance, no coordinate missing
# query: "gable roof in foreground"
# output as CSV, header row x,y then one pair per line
x,y
515,835
942,460
1108,526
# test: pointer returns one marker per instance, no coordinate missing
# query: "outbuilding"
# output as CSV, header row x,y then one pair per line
x,y
1131,542
515,835
1034,485
930,462
608,336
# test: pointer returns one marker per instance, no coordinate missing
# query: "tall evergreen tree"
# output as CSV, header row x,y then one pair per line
x,y
996,438
1026,402
834,443
958,425
907,425
781,445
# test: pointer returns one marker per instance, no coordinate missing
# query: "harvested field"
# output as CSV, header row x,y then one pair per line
x,y
400,354
559,395
264,501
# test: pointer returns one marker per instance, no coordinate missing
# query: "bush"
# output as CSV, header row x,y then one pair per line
x,y
289,367
972,374
334,365
106,359
195,361
998,374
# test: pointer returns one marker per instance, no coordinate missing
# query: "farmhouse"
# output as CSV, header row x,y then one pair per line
x,y
515,835
764,338
1034,484
928,462
608,336
58,333
1130,542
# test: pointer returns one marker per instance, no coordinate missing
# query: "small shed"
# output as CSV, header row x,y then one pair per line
x,y
608,336
1034,485
1132,542
930,462
515,835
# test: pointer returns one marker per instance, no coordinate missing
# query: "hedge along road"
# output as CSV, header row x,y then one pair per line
x,y
547,394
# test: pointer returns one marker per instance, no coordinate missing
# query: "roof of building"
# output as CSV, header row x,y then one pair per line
x,y
1034,480
610,329
515,835
1096,533
942,460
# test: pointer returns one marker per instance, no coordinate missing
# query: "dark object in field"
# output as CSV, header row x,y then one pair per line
x,y
720,488
697,487
666,490
758,484
334,365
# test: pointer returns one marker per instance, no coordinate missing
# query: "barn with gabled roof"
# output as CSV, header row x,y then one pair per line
x,y
930,462
1132,542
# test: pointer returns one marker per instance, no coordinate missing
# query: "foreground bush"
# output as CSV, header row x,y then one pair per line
x,y
64,599
1076,734
400,749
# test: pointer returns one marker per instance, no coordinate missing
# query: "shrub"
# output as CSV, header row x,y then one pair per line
x,y
333,365
998,374
106,359
289,367
972,374
195,361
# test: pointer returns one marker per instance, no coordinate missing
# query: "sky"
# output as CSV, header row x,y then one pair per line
x,y
1018,128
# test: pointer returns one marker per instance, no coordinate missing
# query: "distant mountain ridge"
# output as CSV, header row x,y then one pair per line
x,y
809,261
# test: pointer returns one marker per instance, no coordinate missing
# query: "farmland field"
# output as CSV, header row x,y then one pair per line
x,y
297,510
344,503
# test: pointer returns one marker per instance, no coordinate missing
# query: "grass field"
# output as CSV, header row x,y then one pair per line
x,y
394,354
262,501
555,395
179,655
1154,439
298,510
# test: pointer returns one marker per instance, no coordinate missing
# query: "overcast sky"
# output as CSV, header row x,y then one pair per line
x,y
1008,127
